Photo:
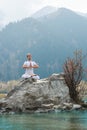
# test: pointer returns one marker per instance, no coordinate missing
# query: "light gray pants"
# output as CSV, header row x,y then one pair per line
x,y
28,76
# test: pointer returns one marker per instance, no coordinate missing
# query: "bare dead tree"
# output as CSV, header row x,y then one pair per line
x,y
73,69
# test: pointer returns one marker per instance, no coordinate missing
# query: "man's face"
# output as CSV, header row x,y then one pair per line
x,y
29,57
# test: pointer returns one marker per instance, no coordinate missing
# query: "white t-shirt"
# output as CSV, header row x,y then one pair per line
x,y
29,71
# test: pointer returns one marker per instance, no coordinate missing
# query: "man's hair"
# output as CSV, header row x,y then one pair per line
x,y
28,54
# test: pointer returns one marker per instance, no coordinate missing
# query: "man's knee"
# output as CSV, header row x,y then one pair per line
x,y
36,77
25,76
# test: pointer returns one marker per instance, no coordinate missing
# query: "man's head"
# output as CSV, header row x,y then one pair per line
x,y
29,56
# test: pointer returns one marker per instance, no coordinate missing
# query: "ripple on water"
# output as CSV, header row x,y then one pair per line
x,y
76,120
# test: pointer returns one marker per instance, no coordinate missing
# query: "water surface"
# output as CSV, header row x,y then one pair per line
x,y
76,120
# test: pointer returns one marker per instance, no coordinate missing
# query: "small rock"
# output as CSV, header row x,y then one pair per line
x,y
12,113
76,106
41,111
64,108
44,110
68,105
57,106
47,106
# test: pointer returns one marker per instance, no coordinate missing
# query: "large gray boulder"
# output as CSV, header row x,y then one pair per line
x,y
33,96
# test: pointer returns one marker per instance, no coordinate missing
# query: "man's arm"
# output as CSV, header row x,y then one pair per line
x,y
25,67
35,66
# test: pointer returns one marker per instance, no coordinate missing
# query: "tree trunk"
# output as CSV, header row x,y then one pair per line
x,y
74,95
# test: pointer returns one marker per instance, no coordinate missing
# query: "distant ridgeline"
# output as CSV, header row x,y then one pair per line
x,y
50,39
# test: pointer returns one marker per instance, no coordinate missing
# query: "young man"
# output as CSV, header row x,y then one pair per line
x,y
29,67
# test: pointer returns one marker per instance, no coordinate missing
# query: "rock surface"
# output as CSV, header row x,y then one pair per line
x,y
37,96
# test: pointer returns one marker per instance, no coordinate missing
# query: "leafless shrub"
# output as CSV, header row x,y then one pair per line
x,y
73,69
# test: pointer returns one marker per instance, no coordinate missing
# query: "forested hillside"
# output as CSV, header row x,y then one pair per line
x,y
50,39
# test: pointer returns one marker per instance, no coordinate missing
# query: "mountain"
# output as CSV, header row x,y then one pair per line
x,y
44,11
82,14
50,39
2,16
1,25
85,14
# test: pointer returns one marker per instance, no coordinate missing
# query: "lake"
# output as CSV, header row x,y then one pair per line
x,y
75,120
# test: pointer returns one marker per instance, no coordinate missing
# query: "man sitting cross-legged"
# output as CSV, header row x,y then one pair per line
x,y
30,65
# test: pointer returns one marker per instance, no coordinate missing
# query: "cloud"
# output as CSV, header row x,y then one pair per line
x,y
18,9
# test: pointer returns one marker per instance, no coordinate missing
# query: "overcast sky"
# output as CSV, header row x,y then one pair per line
x,y
12,10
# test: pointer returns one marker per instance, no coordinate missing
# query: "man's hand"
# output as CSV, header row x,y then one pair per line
x,y
30,65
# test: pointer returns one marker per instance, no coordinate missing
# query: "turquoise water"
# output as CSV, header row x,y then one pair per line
x,y
76,120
